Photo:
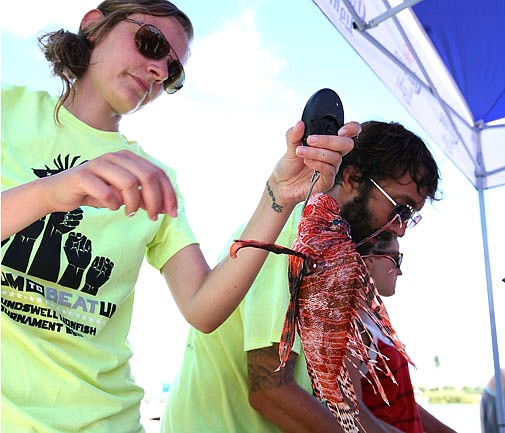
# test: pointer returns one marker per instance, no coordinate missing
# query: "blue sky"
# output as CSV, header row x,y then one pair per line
x,y
253,66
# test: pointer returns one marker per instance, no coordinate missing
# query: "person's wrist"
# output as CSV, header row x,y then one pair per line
x,y
279,197
45,191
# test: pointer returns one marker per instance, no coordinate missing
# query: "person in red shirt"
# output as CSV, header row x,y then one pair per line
x,y
383,261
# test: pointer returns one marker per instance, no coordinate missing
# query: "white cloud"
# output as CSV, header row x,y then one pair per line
x,y
235,64
224,132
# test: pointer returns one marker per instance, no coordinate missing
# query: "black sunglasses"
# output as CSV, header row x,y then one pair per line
x,y
406,212
151,43
395,258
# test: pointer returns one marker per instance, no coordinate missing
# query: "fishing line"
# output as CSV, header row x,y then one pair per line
x,y
376,233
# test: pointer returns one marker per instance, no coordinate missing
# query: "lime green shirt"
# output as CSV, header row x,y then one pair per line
x,y
68,282
210,392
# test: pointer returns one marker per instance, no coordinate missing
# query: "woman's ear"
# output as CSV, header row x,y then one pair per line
x,y
91,17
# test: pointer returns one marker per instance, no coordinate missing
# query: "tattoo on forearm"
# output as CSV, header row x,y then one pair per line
x,y
275,206
261,365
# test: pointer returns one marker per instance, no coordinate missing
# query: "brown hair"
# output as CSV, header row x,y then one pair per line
x,y
389,151
70,53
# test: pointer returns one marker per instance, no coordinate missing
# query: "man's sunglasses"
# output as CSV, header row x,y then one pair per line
x,y
395,258
151,43
406,212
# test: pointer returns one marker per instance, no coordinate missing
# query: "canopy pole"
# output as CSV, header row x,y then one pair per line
x,y
390,12
500,407
499,400
361,25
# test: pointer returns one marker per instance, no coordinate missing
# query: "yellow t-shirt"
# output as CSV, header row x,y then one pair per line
x,y
210,393
68,282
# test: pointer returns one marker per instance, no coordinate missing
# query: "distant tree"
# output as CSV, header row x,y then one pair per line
x,y
436,361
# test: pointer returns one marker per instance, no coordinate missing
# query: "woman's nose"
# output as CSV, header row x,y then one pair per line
x,y
159,69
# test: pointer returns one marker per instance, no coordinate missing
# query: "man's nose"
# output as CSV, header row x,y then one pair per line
x,y
398,228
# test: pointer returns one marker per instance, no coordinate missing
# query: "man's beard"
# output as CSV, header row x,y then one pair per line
x,y
359,217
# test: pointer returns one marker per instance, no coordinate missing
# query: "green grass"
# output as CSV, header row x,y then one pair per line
x,y
452,395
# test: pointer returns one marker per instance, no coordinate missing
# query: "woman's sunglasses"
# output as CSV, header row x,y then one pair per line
x,y
395,258
406,212
151,43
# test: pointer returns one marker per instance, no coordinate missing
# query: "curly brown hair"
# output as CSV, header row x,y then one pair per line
x,y
389,151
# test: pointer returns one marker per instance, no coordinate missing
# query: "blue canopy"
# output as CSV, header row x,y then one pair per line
x,y
470,45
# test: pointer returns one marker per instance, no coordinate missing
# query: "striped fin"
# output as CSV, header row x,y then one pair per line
x,y
289,328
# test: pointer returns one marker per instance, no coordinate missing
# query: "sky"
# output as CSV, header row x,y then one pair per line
x,y
253,66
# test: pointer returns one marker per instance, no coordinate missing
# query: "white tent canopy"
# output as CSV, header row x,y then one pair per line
x,y
395,45
443,61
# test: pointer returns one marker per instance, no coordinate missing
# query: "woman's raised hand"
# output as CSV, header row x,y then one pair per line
x,y
324,154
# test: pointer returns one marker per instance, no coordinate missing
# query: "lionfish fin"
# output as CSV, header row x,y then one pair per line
x,y
376,310
346,417
289,327
238,244
346,389
360,346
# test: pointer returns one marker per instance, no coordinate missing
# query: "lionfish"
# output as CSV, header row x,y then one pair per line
x,y
329,285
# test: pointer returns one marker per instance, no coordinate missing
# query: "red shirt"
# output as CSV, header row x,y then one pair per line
x,y
402,411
